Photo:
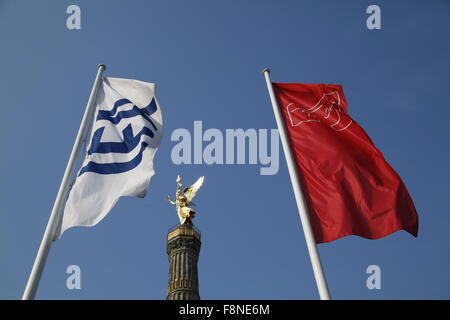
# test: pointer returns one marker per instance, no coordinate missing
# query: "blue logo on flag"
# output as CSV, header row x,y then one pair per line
x,y
129,143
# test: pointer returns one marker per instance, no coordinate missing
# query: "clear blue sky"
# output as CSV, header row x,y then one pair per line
x,y
206,58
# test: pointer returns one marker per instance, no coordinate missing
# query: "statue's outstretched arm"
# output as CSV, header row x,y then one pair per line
x,y
170,200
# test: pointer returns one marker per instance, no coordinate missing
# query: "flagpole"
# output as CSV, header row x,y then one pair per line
x,y
299,197
46,242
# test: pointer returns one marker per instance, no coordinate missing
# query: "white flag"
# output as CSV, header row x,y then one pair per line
x,y
126,132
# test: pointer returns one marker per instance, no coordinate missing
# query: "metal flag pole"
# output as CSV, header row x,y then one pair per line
x,y
299,197
46,242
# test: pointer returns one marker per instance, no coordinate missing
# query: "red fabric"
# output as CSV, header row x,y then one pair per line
x,y
349,187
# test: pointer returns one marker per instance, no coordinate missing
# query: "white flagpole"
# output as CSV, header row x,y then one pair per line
x,y
46,242
299,197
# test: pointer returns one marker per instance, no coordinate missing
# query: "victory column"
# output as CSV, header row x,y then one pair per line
x,y
183,246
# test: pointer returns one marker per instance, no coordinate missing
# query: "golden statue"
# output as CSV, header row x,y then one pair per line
x,y
184,200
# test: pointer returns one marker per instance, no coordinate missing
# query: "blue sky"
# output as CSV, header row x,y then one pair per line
x,y
206,58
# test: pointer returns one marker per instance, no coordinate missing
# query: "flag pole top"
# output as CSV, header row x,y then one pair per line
x,y
266,70
101,66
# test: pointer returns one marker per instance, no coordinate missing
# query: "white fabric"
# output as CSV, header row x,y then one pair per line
x,y
94,194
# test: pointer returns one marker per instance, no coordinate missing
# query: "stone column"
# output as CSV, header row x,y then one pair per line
x,y
183,248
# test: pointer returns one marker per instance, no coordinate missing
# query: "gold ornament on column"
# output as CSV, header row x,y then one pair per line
x,y
184,199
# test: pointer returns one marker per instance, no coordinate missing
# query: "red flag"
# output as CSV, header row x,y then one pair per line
x,y
349,187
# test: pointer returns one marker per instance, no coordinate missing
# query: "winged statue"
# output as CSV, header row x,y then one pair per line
x,y
184,200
